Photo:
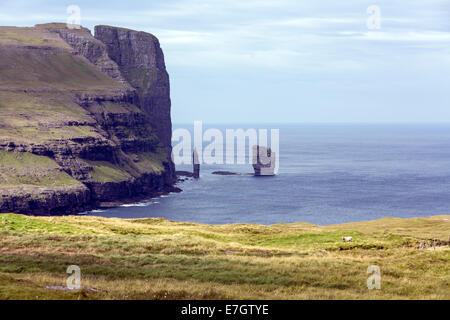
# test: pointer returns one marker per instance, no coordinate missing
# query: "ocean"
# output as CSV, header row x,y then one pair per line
x,y
328,174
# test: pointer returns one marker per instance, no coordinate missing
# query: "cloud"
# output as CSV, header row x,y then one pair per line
x,y
425,36
269,34
315,22
181,37
323,46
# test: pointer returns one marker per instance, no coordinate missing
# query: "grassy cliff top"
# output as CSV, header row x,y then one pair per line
x,y
60,25
39,80
160,259
36,58
29,36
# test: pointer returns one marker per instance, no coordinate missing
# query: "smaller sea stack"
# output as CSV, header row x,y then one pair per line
x,y
196,164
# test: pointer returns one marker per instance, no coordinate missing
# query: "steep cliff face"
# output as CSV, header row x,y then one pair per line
x,y
141,63
65,101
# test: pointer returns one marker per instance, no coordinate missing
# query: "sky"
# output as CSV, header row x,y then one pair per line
x,y
285,61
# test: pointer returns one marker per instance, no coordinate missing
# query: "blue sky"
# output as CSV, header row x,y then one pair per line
x,y
285,60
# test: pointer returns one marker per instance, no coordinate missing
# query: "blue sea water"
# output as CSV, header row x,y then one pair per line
x,y
328,174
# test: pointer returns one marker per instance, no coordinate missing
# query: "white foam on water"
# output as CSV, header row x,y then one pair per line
x,y
92,211
139,204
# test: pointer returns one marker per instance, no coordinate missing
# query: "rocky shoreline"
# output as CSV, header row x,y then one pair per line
x,y
104,205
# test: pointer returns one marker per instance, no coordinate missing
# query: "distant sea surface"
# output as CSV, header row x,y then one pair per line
x,y
328,174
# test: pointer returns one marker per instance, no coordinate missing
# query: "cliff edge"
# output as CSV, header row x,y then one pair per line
x,y
83,119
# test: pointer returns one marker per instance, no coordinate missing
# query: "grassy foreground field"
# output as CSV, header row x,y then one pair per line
x,y
160,259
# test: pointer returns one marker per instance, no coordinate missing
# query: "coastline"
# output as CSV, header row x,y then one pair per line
x,y
110,204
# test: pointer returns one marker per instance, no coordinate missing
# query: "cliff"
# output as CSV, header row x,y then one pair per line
x,y
84,119
146,73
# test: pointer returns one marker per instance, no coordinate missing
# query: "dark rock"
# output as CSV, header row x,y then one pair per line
x,y
141,63
94,50
46,200
227,173
184,174
174,190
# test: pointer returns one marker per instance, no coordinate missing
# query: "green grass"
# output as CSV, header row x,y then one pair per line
x,y
30,37
160,259
24,159
145,162
23,168
107,172
59,25
21,39
37,58
31,117
56,69
64,133
151,161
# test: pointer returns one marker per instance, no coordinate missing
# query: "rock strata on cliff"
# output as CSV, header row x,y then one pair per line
x,y
145,72
78,127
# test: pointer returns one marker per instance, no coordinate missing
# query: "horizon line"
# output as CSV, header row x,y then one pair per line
x,y
318,123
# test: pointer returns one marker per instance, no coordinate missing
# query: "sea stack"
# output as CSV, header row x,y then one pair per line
x,y
196,164
263,161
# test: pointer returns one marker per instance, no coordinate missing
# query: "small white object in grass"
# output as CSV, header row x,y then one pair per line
x,y
347,239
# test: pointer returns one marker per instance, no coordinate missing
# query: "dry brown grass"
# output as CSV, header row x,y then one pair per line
x,y
159,259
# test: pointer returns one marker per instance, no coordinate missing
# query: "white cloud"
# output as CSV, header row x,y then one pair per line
x,y
314,22
182,37
424,36
269,34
